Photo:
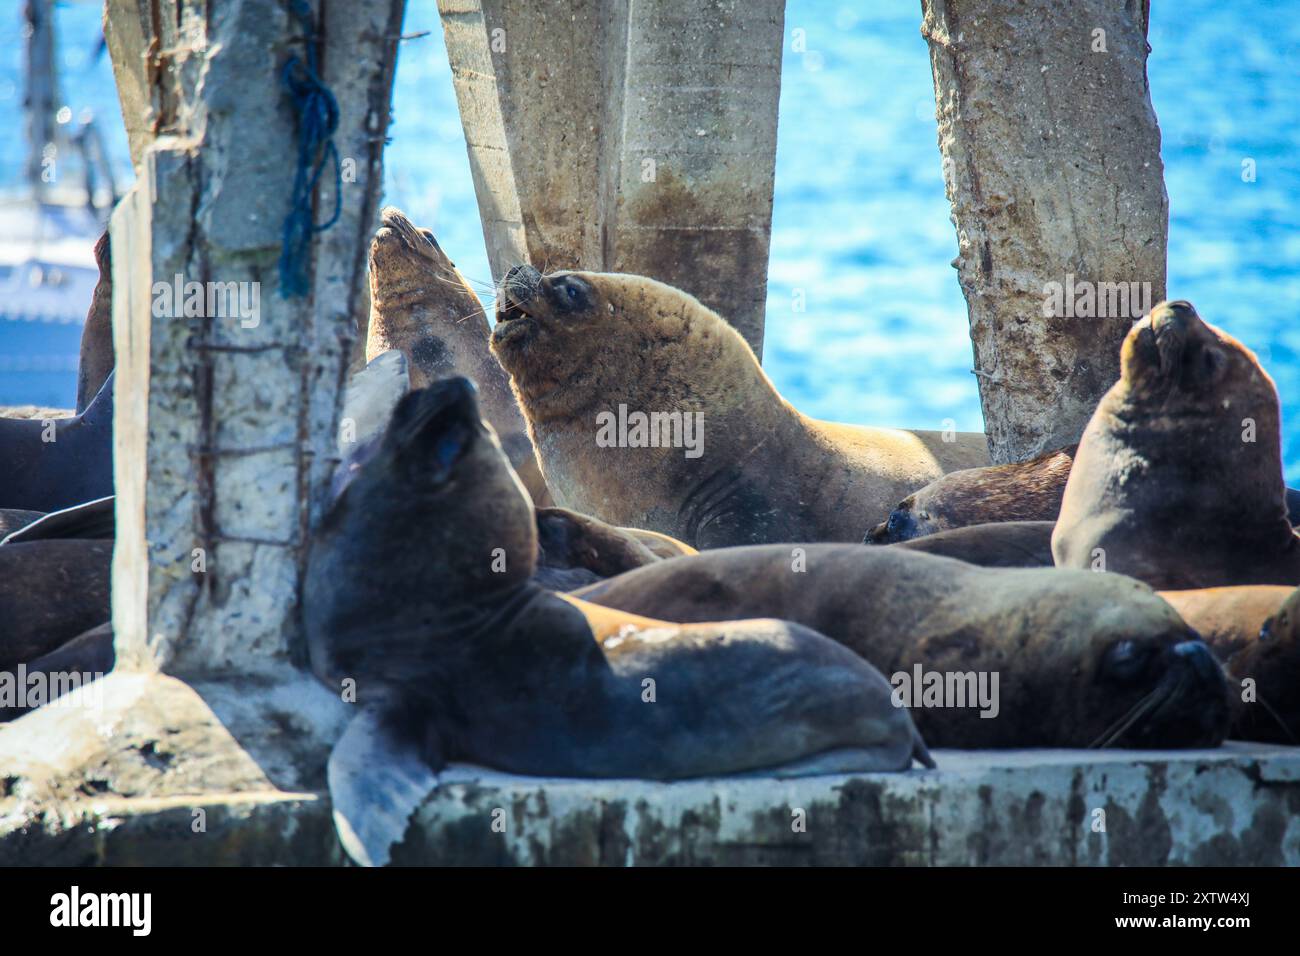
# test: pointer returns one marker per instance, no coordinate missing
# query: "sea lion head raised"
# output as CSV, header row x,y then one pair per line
x,y
399,546
1178,478
570,338
401,255
1174,363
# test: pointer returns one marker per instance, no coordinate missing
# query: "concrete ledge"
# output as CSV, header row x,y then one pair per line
x,y
1239,805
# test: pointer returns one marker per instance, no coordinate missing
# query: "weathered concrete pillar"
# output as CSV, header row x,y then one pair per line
x,y
625,135
228,391
1051,158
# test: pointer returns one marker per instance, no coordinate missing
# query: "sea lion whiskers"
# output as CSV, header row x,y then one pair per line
x,y
1158,696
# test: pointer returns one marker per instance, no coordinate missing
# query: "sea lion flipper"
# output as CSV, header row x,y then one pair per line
x,y
920,752
371,395
377,779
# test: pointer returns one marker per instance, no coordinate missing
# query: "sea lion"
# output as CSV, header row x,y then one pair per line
x,y
1081,658
1228,619
1178,478
1003,544
11,519
422,306
89,657
1021,491
54,464
418,587
371,394
648,410
93,520
1269,710
1252,630
50,591
97,355
575,550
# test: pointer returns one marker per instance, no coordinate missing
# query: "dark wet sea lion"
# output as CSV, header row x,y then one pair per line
x,y
97,356
50,591
421,305
75,467
1004,544
1293,506
93,520
1178,478
1022,491
419,588
1077,654
11,519
88,656
729,461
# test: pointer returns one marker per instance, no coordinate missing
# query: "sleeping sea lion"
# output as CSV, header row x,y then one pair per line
x,y
1003,544
1070,658
1178,478
50,591
1021,491
419,589
648,410
1251,629
46,465
421,305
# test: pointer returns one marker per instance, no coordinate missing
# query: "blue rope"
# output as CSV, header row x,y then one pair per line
x,y
318,119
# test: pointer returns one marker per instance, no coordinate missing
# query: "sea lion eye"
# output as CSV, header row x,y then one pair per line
x,y
1126,659
571,292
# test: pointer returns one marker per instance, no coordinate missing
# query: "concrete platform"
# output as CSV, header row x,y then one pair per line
x,y
233,773
1238,805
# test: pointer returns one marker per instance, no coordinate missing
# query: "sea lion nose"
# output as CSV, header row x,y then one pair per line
x,y
1178,312
1201,659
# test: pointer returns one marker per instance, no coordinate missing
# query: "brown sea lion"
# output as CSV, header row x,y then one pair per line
x,y
1252,633
1178,478
1079,658
50,591
422,306
575,550
46,465
1229,618
1004,544
648,410
1022,491
97,355
1269,708
419,588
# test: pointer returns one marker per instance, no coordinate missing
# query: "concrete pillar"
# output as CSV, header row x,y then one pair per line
x,y
1051,158
226,435
625,135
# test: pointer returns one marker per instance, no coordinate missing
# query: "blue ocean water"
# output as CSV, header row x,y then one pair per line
x,y
861,224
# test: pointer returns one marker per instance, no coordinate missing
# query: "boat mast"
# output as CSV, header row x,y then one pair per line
x,y
41,94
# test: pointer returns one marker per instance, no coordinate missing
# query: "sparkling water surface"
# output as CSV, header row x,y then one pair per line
x,y
861,225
